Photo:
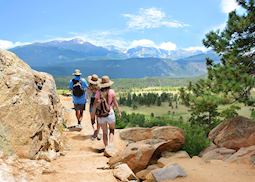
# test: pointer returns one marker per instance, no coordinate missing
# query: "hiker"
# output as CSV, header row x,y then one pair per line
x,y
105,102
93,81
78,86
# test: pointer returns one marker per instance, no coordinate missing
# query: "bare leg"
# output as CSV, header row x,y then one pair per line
x,y
95,128
78,116
81,116
111,135
105,133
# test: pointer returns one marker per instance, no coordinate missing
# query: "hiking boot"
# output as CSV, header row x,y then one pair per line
x,y
99,137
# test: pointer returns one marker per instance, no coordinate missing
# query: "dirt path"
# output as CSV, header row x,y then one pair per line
x,y
83,158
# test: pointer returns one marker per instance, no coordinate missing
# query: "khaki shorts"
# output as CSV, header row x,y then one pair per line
x,y
79,107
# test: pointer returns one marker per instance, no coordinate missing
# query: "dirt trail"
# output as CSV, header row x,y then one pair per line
x,y
83,158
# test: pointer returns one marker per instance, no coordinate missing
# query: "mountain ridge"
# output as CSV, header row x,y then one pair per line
x,y
61,57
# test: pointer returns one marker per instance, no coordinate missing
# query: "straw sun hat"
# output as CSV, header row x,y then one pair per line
x,y
105,82
77,72
93,79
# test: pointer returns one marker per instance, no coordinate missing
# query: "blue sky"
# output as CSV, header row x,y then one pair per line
x,y
167,24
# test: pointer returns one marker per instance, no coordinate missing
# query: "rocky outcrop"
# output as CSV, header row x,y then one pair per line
x,y
13,169
30,110
234,133
138,155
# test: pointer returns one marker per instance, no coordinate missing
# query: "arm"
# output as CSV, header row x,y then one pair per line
x,y
71,85
116,105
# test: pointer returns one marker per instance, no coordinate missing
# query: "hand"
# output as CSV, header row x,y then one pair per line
x,y
119,114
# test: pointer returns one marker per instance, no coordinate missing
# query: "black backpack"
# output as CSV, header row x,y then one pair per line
x,y
78,91
103,108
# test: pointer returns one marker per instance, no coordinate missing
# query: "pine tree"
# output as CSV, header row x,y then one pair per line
x,y
235,75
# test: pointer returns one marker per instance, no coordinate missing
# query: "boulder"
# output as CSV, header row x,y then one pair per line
x,y
124,173
135,134
139,134
168,173
170,157
140,154
143,173
30,110
218,154
244,155
110,151
234,133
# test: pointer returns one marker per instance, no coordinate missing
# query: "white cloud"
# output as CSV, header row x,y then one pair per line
x,y
228,5
149,43
167,46
151,18
6,44
196,48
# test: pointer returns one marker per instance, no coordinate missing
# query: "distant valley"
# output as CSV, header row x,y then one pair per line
x,y
60,58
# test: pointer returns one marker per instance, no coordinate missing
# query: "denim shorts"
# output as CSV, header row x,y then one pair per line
x,y
110,119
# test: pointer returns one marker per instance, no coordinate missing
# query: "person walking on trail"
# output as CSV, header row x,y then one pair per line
x,y
103,108
78,86
93,81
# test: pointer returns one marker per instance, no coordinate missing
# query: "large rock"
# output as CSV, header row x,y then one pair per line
x,y
170,157
124,173
135,134
218,154
234,133
138,133
244,155
138,155
30,110
168,173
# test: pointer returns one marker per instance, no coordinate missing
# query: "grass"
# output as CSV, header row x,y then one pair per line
x,y
164,109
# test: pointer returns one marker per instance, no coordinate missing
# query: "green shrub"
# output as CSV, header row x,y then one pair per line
x,y
195,139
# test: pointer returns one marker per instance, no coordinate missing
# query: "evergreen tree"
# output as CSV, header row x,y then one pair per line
x,y
234,77
236,45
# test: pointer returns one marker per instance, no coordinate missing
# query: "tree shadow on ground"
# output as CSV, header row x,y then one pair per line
x,y
81,137
96,150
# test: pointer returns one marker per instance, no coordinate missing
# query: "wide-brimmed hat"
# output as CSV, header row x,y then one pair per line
x,y
77,72
93,79
105,82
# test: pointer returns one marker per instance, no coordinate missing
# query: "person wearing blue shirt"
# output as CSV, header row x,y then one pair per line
x,y
78,86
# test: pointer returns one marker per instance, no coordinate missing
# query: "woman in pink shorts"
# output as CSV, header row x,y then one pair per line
x,y
107,121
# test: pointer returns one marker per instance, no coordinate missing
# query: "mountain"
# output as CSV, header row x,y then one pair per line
x,y
54,52
60,58
145,52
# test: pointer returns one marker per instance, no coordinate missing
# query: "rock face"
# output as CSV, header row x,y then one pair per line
x,y
30,110
138,155
234,133
13,169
